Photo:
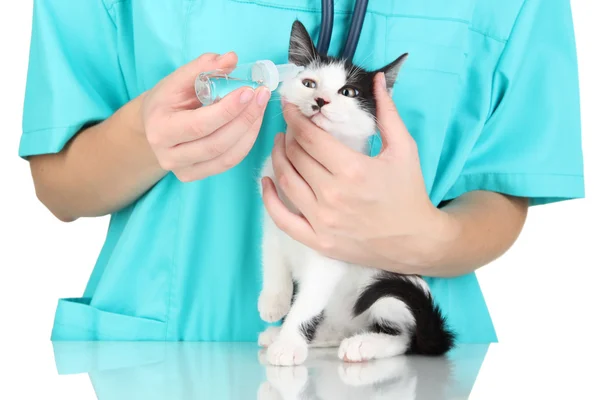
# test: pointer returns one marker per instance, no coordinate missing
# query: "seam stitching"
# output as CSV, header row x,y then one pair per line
x,y
499,61
172,269
493,37
519,174
53,128
114,3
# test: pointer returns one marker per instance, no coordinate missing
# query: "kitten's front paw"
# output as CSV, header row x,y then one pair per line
x,y
274,306
268,336
287,352
358,348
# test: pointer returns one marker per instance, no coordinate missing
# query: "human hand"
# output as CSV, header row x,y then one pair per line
x,y
369,211
195,142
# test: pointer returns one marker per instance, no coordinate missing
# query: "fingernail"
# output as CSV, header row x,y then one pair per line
x,y
222,56
263,97
246,96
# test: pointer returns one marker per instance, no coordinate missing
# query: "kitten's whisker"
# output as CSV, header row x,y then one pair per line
x,y
276,116
365,59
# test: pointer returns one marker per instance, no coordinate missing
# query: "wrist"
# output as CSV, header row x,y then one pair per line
x,y
137,127
430,249
444,232
136,117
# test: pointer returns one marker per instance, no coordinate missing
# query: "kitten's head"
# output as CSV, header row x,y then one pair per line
x,y
334,93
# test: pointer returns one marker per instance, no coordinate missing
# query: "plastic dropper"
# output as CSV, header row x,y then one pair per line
x,y
214,85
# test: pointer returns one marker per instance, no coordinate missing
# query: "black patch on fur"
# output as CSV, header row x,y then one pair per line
x,y
431,335
386,328
308,329
302,52
294,290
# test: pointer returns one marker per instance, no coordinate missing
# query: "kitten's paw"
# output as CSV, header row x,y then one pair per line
x,y
274,306
266,338
266,391
358,348
287,352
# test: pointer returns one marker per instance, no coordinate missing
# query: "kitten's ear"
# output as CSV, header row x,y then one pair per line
x,y
302,49
391,71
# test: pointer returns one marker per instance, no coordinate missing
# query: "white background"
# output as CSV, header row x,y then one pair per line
x,y
542,294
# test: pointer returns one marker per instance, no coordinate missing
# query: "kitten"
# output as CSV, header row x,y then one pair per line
x,y
367,312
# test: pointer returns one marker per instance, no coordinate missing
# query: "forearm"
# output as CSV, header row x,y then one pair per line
x,y
101,170
473,230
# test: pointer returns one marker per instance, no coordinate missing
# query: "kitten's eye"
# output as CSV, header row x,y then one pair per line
x,y
349,91
309,83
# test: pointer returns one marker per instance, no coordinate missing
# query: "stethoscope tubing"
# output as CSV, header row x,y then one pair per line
x,y
356,25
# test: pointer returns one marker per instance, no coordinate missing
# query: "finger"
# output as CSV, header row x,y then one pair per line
x,y
186,74
199,123
392,128
295,226
309,169
290,182
223,138
321,145
225,161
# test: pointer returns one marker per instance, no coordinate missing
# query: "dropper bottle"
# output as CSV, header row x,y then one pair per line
x,y
214,85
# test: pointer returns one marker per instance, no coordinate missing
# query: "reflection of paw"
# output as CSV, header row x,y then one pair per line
x,y
351,374
363,374
287,352
358,348
266,338
262,357
288,380
266,391
274,306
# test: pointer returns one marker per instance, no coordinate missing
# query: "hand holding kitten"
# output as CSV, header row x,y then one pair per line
x,y
366,210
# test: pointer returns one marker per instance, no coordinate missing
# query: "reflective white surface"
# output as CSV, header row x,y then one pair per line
x,y
238,371
80,371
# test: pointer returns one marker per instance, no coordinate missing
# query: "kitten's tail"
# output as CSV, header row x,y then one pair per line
x,y
431,334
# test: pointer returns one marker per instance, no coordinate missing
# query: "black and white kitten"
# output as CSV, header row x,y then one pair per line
x,y
367,312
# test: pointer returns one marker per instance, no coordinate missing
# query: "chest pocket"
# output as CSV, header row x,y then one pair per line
x,y
433,32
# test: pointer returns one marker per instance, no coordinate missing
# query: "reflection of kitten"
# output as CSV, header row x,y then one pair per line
x,y
369,313
403,377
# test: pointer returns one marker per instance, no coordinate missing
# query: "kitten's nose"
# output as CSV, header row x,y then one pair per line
x,y
321,102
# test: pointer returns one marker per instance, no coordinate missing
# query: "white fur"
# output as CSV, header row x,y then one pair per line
x,y
325,284
369,346
343,117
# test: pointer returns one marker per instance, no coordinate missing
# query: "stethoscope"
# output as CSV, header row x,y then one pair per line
x,y
358,17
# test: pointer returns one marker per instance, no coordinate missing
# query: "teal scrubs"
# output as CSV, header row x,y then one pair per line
x,y
489,92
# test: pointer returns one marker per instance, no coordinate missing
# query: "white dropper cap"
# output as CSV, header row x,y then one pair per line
x,y
266,72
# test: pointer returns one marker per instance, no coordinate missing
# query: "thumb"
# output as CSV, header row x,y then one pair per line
x,y
392,128
206,62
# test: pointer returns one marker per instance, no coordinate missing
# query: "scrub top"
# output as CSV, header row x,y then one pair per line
x,y
489,92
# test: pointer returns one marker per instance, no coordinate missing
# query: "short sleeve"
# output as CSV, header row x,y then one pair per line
x,y
530,145
74,78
